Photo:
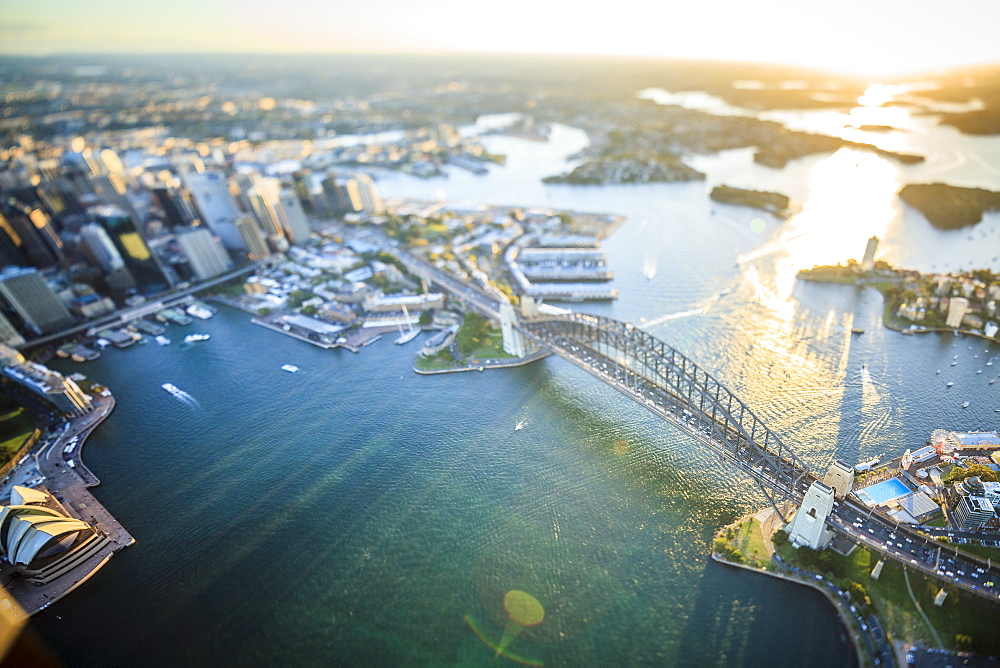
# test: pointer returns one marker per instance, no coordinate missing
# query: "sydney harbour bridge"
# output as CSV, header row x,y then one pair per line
x,y
669,384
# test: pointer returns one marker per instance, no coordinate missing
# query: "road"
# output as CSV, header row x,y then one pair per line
x,y
901,543
69,487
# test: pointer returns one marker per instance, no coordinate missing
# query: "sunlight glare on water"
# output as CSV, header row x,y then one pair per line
x,y
852,196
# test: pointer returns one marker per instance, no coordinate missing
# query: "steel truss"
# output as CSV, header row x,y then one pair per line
x,y
669,384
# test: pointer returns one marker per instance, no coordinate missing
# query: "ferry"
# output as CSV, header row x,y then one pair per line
x,y
162,340
191,338
199,311
290,368
172,389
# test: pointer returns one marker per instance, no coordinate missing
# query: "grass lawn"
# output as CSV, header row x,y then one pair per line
x,y
981,551
891,600
492,350
748,540
15,427
443,360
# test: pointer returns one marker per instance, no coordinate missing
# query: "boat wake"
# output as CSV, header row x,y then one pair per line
x,y
672,316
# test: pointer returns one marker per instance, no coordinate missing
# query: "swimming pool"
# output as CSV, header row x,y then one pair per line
x,y
884,491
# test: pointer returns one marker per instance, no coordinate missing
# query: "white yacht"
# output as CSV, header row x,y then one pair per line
x,y
191,338
290,368
162,340
172,389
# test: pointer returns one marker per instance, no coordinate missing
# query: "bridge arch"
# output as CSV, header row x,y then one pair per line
x,y
667,382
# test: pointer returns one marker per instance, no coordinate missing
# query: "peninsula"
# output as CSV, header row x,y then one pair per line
x,y
950,207
774,203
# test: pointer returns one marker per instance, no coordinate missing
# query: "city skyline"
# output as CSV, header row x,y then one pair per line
x,y
891,37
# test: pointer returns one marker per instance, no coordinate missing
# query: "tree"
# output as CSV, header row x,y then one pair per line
x,y
957,474
426,317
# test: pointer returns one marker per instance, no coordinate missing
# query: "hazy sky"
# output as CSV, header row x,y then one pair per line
x,y
860,36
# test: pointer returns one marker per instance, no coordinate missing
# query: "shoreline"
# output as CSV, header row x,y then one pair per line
x,y
509,363
848,619
68,487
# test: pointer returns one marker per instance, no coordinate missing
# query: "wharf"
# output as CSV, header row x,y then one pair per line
x,y
68,487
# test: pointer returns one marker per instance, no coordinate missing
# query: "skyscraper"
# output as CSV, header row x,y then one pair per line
x,y
101,247
253,238
27,294
868,263
206,254
32,231
178,211
217,207
370,201
128,240
956,311
296,223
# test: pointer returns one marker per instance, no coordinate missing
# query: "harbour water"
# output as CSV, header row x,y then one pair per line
x,y
355,512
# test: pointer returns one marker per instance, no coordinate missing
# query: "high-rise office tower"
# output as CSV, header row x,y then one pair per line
x,y
370,201
32,231
342,196
176,207
297,225
128,240
217,208
26,293
101,248
206,255
253,238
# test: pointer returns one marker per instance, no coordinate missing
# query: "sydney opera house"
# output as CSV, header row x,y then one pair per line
x,y
31,531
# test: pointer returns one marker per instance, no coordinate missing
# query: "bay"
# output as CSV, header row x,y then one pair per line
x,y
358,513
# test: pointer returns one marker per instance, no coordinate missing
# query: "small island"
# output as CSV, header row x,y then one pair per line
x,y
774,203
659,168
874,128
950,207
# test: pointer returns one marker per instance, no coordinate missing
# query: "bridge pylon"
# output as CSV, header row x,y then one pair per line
x,y
808,527
514,342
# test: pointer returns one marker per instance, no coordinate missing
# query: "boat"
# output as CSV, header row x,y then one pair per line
x,y
950,383
965,405
938,371
992,380
191,338
147,327
162,340
199,311
290,368
408,335
519,426
857,330
725,292
954,363
172,389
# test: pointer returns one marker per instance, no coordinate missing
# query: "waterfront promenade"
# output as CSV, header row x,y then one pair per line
x,y
68,487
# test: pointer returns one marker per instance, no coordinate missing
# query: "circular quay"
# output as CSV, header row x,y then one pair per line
x,y
425,334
